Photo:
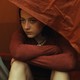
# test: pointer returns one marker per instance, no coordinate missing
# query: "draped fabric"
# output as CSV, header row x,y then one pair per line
x,y
61,15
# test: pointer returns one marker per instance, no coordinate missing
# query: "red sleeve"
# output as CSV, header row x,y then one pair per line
x,y
23,52
64,61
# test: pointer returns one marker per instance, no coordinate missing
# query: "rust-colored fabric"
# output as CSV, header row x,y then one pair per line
x,y
61,15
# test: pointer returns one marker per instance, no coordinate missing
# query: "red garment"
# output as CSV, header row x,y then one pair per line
x,y
48,56
61,15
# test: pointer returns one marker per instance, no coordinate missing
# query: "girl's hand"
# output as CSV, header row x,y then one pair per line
x,y
12,60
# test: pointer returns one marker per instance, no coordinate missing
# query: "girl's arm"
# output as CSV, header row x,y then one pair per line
x,y
23,52
63,61
38,55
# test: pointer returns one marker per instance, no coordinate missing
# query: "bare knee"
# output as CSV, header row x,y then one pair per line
x,y
19,71
57,75
18,66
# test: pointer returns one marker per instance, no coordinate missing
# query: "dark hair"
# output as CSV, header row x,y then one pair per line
x,y
48,32
19,12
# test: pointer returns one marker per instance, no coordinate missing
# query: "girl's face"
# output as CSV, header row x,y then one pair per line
x,y
31,26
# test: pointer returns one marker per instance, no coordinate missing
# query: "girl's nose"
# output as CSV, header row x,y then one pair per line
x,y
27,25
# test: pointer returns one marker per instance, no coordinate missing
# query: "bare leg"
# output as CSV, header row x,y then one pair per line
x,y
56,75
20,71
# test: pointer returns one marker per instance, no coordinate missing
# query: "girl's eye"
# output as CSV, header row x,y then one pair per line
x,y
32,21
22,20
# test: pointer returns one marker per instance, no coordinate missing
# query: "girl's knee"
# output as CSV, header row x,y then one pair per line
x,y
20,70
17,65
57,75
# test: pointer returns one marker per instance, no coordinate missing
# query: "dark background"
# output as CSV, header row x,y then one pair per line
x,y
8,23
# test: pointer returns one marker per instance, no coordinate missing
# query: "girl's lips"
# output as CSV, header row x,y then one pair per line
x,y
29,33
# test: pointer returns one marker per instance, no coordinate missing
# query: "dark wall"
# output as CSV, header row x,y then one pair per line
x,y
8,23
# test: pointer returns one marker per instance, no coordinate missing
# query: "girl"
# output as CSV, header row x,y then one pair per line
x,y
37,47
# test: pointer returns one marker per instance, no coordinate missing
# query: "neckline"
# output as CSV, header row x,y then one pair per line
x,y
42,43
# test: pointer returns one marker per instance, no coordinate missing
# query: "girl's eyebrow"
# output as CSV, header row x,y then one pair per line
x,y
28,18
21,18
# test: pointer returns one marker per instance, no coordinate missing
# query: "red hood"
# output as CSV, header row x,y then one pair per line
x,y
61,15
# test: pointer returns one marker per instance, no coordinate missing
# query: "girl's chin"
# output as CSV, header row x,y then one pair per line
x,y
30,36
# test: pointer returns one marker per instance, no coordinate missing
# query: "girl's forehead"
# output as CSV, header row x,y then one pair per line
x,y
25,14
